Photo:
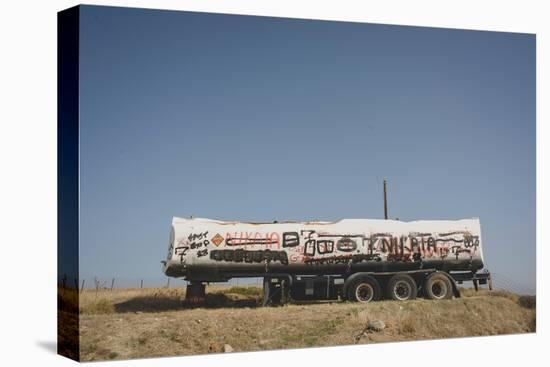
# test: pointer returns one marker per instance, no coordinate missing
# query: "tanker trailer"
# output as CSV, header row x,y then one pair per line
x,y
351,259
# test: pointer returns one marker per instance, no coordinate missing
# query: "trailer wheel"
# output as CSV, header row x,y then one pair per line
x,y
402,287
364,289
438,286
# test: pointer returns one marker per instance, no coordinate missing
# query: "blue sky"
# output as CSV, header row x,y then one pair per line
x,y
257,118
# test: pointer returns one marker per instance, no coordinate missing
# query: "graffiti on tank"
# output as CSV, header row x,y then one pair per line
x,y
325,246
346,244
194,241
415,247
338,259
252,256
197,236
325,243
291,239
313,247
252,239
202,253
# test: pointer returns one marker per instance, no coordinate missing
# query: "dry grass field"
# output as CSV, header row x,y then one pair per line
x,y
135,323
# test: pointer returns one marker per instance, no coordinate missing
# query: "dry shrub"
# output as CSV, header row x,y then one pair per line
x,y
467,292
245,291
150,303
363,316
407,325
101,306
471,292
504,294
528,301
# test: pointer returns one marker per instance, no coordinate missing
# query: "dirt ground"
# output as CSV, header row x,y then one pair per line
x,y
135,323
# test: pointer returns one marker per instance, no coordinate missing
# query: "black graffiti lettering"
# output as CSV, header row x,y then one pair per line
x,y
431,243
376,235
377,247
371,245
258,256
386,245
448,239
238,256
455,249
325,246
228,255
346,244
452,233
291,239
309,248
414,244
240,241
280,256
181,250
197,236
195,245
202,253
308,231
471,241
216,255
341,235
399,257
357,258
268,255
340,259
419,234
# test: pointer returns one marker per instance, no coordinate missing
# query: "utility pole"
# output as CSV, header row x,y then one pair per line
x,y
385,199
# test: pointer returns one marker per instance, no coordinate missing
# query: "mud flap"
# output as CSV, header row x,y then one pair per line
x,y
456,292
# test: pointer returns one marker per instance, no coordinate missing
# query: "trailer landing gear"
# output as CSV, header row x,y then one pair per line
x,y
195,294
276,290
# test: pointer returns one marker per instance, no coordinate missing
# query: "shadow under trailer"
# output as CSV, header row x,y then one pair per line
x,y
360,260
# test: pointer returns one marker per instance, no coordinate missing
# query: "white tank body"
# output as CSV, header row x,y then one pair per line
x,y
212,250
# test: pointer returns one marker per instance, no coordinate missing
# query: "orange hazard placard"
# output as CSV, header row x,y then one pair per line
x,y
217,239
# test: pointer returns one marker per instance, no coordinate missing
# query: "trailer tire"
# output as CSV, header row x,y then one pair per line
x,y
438,286
364,288
401,287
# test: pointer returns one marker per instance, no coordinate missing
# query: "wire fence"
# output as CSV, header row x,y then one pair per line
x,y
113,283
